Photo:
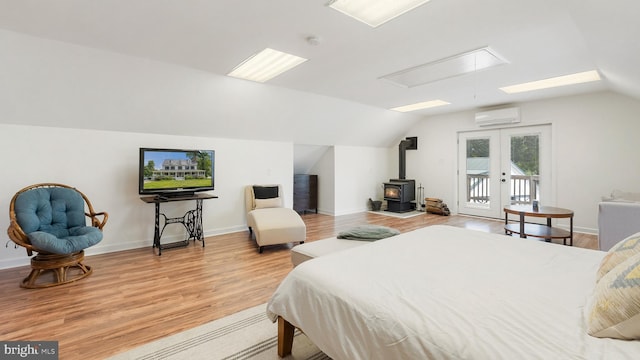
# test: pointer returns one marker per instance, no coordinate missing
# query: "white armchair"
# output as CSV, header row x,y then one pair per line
x,y
618,217
271,222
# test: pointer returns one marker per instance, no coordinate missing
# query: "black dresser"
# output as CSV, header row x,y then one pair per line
x,y
305,192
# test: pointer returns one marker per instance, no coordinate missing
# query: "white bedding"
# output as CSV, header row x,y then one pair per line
x,y
448,293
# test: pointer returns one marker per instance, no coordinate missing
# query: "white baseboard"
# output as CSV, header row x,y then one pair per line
x,y
129,245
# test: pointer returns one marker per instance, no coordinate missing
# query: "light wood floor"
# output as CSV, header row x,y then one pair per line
x,y
134,297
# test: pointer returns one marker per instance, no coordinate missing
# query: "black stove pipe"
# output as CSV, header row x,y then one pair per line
x,y
402,161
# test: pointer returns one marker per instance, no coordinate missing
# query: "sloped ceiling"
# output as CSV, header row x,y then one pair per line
x,y
306,156
539,39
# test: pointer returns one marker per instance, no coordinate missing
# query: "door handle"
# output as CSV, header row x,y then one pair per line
x,y
503,180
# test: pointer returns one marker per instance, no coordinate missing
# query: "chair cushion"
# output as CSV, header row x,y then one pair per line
x,y
277,226
265,192
267,203
49,209
79,238
54,220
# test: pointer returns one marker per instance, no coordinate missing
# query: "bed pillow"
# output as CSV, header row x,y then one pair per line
x,y
368,232
267,203
265,192
619,253
614,309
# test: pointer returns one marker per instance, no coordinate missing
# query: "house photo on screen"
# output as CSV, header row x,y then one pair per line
x,y
175,172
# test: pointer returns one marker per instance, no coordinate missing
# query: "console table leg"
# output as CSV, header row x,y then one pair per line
x,y
198,225
571,231
156,232
506,221
549,225
192,221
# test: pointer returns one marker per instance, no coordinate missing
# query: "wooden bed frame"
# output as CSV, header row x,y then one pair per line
x,y
285,337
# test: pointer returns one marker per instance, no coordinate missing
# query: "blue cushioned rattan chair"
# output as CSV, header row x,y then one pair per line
x,y
51,220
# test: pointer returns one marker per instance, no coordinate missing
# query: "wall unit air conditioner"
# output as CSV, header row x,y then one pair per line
x,y
498,116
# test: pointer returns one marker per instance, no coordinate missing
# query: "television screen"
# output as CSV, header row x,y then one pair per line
x,y
174,172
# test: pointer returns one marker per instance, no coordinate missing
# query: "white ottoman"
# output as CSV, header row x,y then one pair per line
x,y
307,251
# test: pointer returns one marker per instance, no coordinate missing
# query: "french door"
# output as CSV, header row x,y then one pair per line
x,y
502,167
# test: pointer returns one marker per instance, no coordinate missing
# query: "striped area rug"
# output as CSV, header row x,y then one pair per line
x,y
248,334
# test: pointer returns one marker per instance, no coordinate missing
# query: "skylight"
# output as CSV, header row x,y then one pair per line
x,y
449,67
374,12
577,78
266,65
420,105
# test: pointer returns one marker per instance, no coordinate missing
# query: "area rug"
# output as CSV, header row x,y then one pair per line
x,y
248,334
403,215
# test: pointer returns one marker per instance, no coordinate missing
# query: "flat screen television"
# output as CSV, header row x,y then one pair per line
x,y
175,172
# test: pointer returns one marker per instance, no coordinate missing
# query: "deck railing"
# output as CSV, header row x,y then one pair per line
x,y
478,189
521,190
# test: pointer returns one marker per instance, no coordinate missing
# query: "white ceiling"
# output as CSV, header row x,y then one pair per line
x,y
539,39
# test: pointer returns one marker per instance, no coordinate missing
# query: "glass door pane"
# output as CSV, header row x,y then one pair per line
x,y
478,172
525,169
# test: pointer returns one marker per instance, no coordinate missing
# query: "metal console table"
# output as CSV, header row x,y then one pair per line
x,y
192,220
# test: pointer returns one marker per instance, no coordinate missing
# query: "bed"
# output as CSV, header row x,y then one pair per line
x,y
442,292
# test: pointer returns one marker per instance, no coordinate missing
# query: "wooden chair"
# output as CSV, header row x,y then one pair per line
x,y
50,220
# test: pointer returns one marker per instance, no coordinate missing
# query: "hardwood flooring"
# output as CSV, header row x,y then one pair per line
x,y
134,297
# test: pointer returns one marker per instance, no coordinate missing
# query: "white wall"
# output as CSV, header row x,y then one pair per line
x,y
306,156
594,140
359,174
104,166
348,176
325,169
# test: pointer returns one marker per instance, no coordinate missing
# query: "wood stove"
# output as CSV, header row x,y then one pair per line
x,y
401,192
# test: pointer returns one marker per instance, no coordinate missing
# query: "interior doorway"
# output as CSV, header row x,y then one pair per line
x,y
501,167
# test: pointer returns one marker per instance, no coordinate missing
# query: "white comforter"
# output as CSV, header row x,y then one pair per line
x,y
448,293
